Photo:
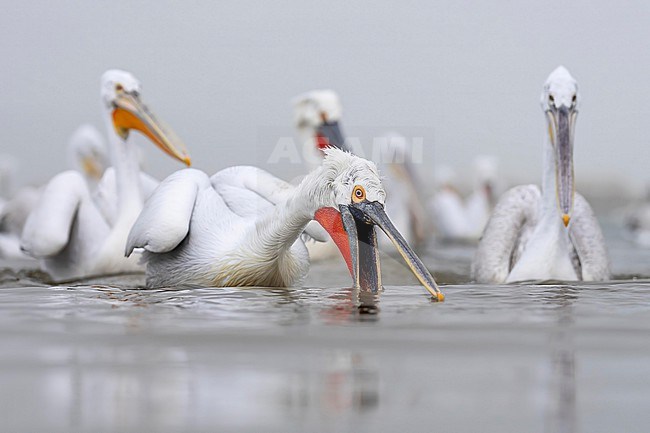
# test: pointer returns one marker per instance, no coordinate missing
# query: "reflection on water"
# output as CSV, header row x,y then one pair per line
x,y
106,355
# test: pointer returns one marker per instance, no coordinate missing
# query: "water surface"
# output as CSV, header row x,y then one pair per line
x,y
105,355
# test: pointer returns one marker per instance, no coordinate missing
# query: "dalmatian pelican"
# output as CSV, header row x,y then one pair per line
x,y
547,233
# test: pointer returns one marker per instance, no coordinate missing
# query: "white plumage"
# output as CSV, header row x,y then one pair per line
x,y
547,233
76,233
242,226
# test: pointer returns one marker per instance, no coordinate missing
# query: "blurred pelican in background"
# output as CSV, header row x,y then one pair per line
x,y
459,219
483,198
317,116
68,231
447,206
404,190
637,221
86,153
242,226
550,233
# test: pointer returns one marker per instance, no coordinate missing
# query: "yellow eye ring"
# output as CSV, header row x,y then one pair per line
x,y
358,194
119,88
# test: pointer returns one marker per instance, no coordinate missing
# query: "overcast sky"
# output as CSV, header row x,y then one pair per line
x,y
464,76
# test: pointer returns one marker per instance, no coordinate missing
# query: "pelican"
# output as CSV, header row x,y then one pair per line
x,y
242,226
637,221
317,115
67,230
406,205
481,201
447,206
86,153
550,233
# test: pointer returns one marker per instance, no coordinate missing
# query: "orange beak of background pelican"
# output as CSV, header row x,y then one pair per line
x,y
130,113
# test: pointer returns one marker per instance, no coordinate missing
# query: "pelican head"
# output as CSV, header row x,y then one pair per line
x,y
350,203
120,93
87,151
319,112
560,104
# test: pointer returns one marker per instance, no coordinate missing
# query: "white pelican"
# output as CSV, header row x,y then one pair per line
x,y
480,203
403,188
637,221
317,115
242,226
552,233
86,153
67,230
447,206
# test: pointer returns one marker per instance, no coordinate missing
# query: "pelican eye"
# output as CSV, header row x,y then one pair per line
x,y
551,99
119,88
358,194
574,99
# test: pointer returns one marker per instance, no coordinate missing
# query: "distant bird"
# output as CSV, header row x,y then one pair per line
x,y
480,203
242,226
550,233
316,116
404,189
448,207
86,153
637,222
67,231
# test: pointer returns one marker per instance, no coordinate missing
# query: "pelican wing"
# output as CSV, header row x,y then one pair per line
x,y
165,219
47,229
499,243
249,191
588,240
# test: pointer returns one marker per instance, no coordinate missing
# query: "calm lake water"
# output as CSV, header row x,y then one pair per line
x,y
104,355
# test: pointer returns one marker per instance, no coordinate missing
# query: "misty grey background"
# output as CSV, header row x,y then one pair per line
x,y
466,76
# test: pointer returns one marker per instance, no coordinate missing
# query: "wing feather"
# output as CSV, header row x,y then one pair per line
x,y
588,240
47,229
248,191
492,262
165,219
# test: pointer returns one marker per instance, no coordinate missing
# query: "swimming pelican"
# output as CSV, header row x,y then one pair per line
x,y
242,226
447,206
480,203
86,153
552,233
317,115
637,221
67,230
403,188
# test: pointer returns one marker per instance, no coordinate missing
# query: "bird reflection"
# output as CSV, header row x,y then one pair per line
x,y
561,409
352,305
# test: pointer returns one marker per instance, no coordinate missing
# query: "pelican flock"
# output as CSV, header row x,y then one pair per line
x,y
550,233
245,227
67,231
